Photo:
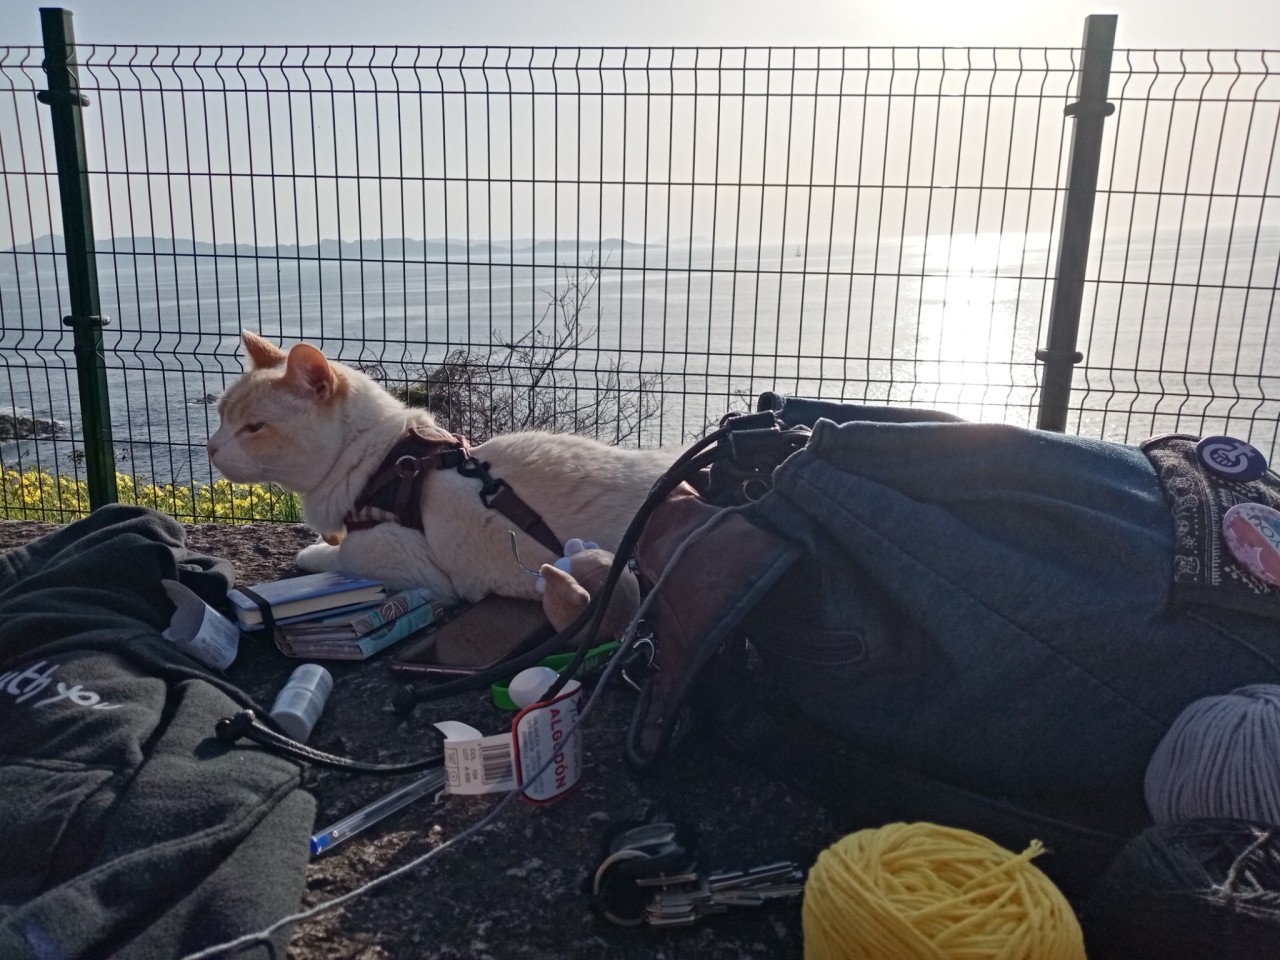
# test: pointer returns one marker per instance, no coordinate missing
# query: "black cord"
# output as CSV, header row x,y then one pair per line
x,y
687,464
246,725
620,563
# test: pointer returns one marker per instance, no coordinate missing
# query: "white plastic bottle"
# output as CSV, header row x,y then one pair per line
x,y
528,686
198,630
301,700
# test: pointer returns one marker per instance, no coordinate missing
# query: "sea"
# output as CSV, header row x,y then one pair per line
x,y
1178,331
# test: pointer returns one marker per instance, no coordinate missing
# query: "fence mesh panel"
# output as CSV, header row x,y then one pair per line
x,y
628,242
1186,260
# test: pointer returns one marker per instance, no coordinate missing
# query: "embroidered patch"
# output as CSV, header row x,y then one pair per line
x,y
1204,569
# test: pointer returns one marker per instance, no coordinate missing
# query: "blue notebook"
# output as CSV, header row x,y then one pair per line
x,y
299,597
406,625
354,624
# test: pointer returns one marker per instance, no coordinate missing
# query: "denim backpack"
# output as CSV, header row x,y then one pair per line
x,y
921,618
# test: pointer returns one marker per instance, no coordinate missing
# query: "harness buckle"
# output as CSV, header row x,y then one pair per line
x,y
474,469
491,489
453,459
408,464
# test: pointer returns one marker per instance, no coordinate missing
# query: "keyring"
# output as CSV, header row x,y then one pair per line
x,y
626,853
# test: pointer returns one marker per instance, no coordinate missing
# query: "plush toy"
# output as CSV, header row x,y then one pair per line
x,y
568,585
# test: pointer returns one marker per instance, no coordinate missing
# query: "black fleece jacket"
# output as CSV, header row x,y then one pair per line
x,y
126,828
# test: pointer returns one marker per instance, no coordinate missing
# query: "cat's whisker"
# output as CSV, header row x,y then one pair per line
x,y
516,551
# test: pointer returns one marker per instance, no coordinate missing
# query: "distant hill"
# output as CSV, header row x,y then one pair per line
x,y
391,248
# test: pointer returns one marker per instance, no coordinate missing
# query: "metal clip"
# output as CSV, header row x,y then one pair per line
x,y
73,97
516,551
1084,108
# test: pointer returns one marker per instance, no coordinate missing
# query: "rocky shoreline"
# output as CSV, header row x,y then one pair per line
x,y
16,427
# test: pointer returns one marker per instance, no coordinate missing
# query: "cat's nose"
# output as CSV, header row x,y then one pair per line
x,y
211,447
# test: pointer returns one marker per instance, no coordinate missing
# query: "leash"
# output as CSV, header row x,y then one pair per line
x,y
758,437
745,437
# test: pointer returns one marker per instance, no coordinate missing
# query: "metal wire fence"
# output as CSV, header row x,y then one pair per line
x,y
1181,323
645,238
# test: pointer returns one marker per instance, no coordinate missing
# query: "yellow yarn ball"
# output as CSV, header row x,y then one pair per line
x,y
919,891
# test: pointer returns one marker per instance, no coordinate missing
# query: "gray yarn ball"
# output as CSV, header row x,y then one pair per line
x,y
1221,758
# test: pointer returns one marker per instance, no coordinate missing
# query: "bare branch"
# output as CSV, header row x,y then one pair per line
x,y
533,382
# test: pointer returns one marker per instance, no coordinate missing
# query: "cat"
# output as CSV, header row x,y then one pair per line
x,y
321,429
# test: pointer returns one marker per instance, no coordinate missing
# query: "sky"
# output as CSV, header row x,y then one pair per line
x,y
1247,24
525,140
267,163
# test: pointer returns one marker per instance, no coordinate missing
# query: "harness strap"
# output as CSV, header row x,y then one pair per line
x,y
521,514
498,495
396,486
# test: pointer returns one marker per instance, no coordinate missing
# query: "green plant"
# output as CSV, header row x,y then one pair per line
x,y
36,494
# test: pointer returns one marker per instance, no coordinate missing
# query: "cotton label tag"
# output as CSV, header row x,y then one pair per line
x,y
540,735
545,735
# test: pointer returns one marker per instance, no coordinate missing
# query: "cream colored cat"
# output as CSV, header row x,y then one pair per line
x,y
321,429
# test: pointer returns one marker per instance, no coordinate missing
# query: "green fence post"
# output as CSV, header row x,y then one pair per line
x,y
86,321
1090,110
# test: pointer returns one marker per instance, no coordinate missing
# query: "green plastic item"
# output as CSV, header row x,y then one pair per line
x,y
596,658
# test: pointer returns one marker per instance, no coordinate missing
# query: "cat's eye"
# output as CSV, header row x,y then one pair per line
x,y
252,427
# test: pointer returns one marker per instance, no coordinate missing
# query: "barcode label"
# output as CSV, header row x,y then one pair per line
x,y
495,760
479,764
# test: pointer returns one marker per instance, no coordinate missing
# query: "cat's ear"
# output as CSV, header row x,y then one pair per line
x,y
309,373
262,353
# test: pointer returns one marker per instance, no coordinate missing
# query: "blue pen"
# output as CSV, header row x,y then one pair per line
x,y
355,822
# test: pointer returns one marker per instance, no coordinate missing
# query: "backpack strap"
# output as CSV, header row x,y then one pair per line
x,y
716,580
1204,570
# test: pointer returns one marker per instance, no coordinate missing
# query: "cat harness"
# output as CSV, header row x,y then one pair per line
x,y
396,486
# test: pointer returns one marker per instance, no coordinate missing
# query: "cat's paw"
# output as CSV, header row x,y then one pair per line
x,y
318,558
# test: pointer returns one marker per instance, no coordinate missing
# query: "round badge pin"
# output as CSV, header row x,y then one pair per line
x,y
1252,534
1232,458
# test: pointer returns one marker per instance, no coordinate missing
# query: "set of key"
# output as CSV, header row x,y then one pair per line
x,y
649,874
682,904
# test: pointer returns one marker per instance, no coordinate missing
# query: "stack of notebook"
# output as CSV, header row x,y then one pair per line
x,y
334,615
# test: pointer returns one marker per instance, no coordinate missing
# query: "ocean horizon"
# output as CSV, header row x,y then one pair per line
x,y
1176,329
